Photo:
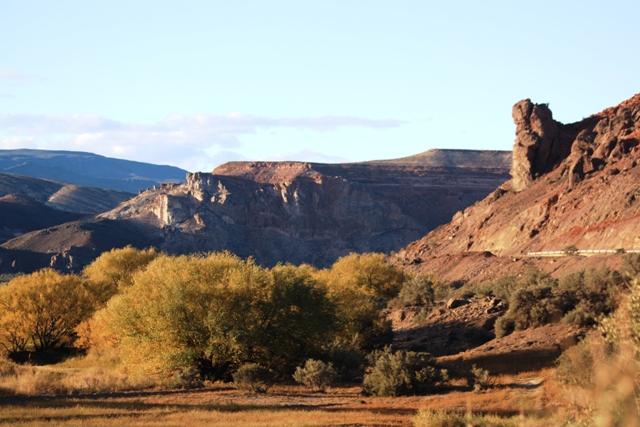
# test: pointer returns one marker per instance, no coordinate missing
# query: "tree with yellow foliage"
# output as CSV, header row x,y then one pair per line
x,y
361,284
214,313
112,271
41,310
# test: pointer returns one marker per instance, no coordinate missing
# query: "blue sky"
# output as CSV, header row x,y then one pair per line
x,y
197,83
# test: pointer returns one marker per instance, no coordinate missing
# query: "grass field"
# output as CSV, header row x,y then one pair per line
x,y
285,405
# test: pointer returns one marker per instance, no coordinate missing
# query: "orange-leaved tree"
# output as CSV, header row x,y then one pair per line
x,y
41,310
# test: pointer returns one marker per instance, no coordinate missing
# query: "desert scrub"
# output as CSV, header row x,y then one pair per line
x,y
418,291
253,377
480,378
533,307
401,373
595,292
315,374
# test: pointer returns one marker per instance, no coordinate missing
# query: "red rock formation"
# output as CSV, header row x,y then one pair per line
x,y
574,184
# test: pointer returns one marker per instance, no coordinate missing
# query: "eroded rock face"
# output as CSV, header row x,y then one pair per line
x,y
293,212
537,142
573,184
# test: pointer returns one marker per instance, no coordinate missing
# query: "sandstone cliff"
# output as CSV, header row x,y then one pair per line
x,y
574,184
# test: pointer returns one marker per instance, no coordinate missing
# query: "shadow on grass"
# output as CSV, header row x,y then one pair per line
x,y
138,408
510,363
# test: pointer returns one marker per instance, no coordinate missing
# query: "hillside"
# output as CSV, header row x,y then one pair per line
x,y
62,196
278,211
21,214
573,184
88,169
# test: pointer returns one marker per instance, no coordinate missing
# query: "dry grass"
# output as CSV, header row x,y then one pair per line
x,y
71,377
139,415
530,399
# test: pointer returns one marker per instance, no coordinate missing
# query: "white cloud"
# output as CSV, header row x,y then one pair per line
x,y
15,142
185,140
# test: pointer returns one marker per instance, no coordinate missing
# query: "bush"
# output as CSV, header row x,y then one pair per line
x,y
570,250
315,374
401,373
186,378
534,307
254,378
504,326
418,291
214,313
480,378
595,293
113,271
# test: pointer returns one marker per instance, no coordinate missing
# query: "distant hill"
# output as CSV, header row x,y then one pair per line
x,y
466,159
21,214
293,212
62,196
88,169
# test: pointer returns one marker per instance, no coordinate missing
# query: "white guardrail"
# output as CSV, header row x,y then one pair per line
x,y
582,252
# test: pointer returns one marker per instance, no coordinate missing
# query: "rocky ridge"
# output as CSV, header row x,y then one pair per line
x,y
281,211
573,184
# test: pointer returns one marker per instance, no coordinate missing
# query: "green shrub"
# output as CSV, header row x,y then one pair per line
x,y
480,378
401,373
504,326
570,250
418,291
253,377
186,378
630,266
534,307
315,374
596,293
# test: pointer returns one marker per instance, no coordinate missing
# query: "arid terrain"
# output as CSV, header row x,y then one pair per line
x,y
572,184
277,212
502,336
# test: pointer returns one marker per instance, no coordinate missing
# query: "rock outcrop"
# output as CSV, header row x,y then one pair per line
x,y
572,184
537,142
286,211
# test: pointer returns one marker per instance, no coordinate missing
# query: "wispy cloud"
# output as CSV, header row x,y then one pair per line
x,y
183,139
17,78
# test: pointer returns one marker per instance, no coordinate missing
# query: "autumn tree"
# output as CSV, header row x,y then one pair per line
x,y
216,312
370,272
361,285
41,310
295,319
112,271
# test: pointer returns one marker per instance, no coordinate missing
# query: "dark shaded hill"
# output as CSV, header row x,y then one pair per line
x,y
88,169
21,214
62,196
278,211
